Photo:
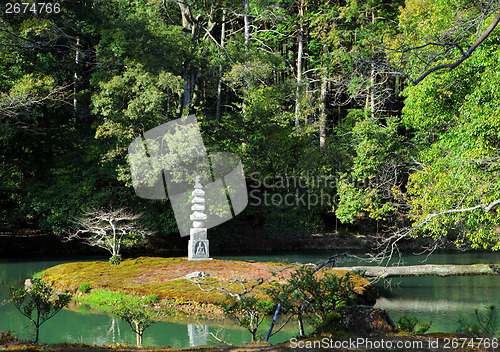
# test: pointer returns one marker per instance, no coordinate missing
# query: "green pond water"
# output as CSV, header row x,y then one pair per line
x,y
440,300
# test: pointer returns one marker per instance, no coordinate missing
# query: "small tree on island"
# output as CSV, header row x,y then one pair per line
x,y
38,303
108,229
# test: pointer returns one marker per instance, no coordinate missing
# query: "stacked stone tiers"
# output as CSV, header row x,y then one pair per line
x,y
198,242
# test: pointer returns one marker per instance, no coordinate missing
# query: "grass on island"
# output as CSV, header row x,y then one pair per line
x,y
164,278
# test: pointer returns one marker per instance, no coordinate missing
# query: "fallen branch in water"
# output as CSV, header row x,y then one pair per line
x,y
384,272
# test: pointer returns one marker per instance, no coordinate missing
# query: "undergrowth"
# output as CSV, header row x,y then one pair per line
x,y
105,300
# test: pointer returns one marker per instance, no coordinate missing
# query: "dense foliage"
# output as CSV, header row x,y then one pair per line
x,y
323,295
305,89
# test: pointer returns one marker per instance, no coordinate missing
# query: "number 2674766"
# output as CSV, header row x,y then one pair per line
x,y
20,8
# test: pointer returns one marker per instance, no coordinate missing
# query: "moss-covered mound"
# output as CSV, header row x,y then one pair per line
x,y
165,277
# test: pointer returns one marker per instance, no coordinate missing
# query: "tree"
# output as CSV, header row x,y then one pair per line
x,y
453,190
446,31
108,229
39,302
139,315
442,168
320,293
249,312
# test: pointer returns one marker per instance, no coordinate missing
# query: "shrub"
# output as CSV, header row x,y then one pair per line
x,y
484,325
409,325
324,295
248,312
140,314
115,259
85,288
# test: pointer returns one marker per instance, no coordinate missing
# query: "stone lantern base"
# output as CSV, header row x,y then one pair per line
x,y
198,250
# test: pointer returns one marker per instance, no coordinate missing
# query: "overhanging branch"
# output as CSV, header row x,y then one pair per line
x,y
464,56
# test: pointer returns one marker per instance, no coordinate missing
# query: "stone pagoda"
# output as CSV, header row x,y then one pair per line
x,y
198,242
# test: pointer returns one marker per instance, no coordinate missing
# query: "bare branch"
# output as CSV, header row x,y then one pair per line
x,y
12,105
106,228
464,56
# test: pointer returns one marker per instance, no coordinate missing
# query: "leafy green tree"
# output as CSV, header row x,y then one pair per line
x,y
322,294
38,303
376,179
453,192
140,315
248,312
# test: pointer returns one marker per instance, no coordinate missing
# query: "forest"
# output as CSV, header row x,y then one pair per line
x,y
385,113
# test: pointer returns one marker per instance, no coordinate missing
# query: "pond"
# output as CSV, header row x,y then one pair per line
x,y
440,300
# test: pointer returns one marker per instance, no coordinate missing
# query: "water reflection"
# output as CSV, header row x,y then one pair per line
x,y
198,334
442,300
114,330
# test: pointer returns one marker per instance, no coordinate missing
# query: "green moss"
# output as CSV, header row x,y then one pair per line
x,y
37,275
163,277
105,300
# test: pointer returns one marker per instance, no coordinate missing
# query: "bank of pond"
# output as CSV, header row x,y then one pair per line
x,y
442,301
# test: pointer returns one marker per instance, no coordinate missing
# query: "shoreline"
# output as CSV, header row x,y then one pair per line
x,y
429,343
36,244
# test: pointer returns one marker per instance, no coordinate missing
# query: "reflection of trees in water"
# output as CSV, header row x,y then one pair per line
x,y
114,330
421,305
197,334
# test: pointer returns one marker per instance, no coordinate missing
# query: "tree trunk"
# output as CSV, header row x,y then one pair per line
x,y
301,325
189,80
372,80
425,270
186,15
189,27
247,42
219,85
372,91
300,54
37,328
75,82
322,113
138,335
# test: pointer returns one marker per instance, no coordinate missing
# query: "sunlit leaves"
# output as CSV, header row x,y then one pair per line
x,y
456,116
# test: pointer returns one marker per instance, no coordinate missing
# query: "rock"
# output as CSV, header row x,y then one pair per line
x,y
364,320
196,275
198,207
197,216
198,192
198,224
366,297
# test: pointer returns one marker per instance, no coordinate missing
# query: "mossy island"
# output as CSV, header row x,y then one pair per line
x,y
98,283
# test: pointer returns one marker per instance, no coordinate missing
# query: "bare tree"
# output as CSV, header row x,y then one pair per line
x,y
108,229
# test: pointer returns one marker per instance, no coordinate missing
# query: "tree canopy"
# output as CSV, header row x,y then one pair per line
x,y
304,88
